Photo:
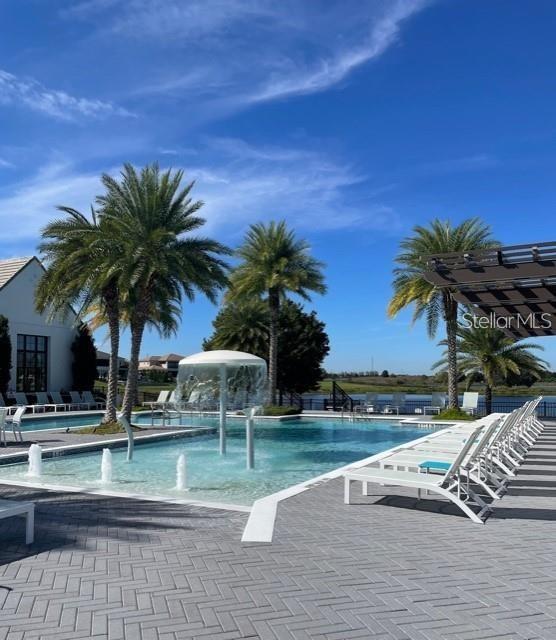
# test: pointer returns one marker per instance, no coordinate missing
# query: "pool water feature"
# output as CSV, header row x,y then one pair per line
x,y
286,453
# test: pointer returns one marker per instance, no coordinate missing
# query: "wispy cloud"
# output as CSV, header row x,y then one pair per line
x,y
5,164
308,188
31,94
239,183
32,202
301,48
383,32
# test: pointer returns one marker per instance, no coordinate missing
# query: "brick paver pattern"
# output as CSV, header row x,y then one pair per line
x,y
387,566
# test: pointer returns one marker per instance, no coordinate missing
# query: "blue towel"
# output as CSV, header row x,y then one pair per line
x,y
431,464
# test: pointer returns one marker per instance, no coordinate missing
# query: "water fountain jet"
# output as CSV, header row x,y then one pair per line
x,y
181,473
35,461
106,467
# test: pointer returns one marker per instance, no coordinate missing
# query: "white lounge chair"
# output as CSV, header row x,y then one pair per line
x,y
453,484
57,399
438,403
88,397
10,508
77,402
162,397
470,402
15,422
474,467
397,403
370,405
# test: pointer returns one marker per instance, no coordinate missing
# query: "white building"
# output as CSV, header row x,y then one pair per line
x,y
41,350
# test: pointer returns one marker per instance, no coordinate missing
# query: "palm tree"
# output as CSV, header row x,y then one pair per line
x,y
78,254
158,265
241,326
490,355
411,287
273,264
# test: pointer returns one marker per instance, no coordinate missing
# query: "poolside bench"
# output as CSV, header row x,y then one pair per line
x,y
9,508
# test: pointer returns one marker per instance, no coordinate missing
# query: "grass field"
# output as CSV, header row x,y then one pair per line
x,y
393,384
425,385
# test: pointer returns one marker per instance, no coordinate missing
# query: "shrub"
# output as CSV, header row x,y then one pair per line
x,y
5,354
453,414
273,410
84,365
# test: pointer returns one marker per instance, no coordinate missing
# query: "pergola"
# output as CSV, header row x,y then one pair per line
x,y
515,285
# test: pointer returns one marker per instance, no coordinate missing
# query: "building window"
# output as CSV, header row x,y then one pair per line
x,y
32,360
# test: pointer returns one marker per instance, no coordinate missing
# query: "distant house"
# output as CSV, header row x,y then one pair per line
x,y
103,359
41,349
165,364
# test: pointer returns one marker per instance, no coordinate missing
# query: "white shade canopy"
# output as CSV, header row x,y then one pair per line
x,y
222,356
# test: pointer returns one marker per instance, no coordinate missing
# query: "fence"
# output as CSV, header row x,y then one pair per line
x,y
546,409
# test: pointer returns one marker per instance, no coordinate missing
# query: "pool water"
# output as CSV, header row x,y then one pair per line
x,y
286,453
60,421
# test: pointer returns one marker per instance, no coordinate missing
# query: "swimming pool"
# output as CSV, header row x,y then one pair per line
x,y
60,421
286,453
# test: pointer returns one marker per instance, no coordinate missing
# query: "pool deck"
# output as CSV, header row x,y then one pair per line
x,y
385,567
52,440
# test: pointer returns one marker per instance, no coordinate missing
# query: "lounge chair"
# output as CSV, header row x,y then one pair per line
x,y
9,508
162,397
88,397
397,403
76,401
57,399
3,405
15,421
474,468
22,401
171,401
43,401
493,451
453,484
470,402
370,405
438,402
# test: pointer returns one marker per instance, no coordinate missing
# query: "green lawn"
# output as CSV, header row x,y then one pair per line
x,y
425,385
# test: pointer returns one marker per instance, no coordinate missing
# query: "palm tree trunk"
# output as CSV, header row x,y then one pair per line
x,y
274,308
111,303
451,318
130,394
488,399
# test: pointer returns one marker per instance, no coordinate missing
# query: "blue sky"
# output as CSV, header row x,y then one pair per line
x,y
354,120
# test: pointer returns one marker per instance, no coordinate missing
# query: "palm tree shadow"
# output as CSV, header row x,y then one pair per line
x,y
65,519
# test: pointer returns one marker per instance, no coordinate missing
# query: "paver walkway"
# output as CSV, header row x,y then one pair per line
x,y
384,567
50,439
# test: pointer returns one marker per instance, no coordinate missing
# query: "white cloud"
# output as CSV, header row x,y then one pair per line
x,y
307,188
297,80
239,184
232,53
5,164
58,104
32,203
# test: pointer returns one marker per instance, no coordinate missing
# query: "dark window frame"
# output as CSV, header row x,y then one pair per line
x,y
31,363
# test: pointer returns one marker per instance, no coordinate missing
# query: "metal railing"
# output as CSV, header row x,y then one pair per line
x,y
545,409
